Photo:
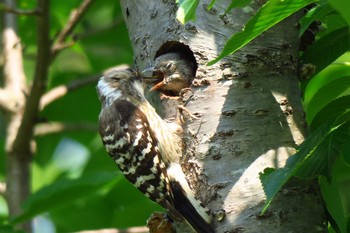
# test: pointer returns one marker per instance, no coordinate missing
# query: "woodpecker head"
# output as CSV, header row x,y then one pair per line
x,y
171,72
120,84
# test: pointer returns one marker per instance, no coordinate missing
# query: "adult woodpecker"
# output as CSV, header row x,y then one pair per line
x,y
145,148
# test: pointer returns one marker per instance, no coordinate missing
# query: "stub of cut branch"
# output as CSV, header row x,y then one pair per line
x,y
44,129
60,91
2,188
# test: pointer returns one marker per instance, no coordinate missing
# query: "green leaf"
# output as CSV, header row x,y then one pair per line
x,y
273,181
333,109
335,193
118,206
186,10
345,151
331,46
273,12
316,13
9,229
237,4
321,159
64,191
211,4
330,84
342,7
314,157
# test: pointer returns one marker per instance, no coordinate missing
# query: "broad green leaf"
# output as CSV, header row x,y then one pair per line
x,y
273,181
316,13
342,7
64,191
331,46
273,12
237,4
321,159
335,193
330,84
186,10
333,109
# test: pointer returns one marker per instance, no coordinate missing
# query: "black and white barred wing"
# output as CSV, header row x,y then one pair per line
x,y
130,142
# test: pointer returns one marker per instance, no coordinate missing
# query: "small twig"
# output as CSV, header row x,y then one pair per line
x,y
62,90
75,16
19,11
128,230
64,45
44,129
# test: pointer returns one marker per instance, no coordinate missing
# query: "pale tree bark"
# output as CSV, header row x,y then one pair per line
x,y
250,113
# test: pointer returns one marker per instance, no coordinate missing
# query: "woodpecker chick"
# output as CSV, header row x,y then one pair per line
x,y
145,148
172,72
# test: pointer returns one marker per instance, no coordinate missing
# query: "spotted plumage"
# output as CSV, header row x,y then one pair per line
x,y
145,148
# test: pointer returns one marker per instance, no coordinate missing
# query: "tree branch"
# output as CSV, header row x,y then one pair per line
x,y
62,90
44,129
25,131
19,11
14,78
75,17
7,102
13,101
128,230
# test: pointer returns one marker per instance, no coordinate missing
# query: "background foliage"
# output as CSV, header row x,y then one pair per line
x,y
75,184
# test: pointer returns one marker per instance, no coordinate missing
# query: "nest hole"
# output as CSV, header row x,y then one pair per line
x,y
178,47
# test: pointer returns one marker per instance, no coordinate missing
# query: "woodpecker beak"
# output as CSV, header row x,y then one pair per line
x,y
148,73
153,75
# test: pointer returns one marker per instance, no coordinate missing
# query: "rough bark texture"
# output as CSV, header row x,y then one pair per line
x,y
250,113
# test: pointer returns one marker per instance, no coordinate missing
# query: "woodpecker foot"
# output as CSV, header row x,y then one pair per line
x,y
187,113
160,223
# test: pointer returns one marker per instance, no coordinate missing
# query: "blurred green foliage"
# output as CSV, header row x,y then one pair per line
x,y
75,184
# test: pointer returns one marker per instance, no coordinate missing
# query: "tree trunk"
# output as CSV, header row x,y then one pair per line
x,y
250,112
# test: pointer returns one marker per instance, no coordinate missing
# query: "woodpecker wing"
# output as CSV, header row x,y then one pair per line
x,y
132,144
125,134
